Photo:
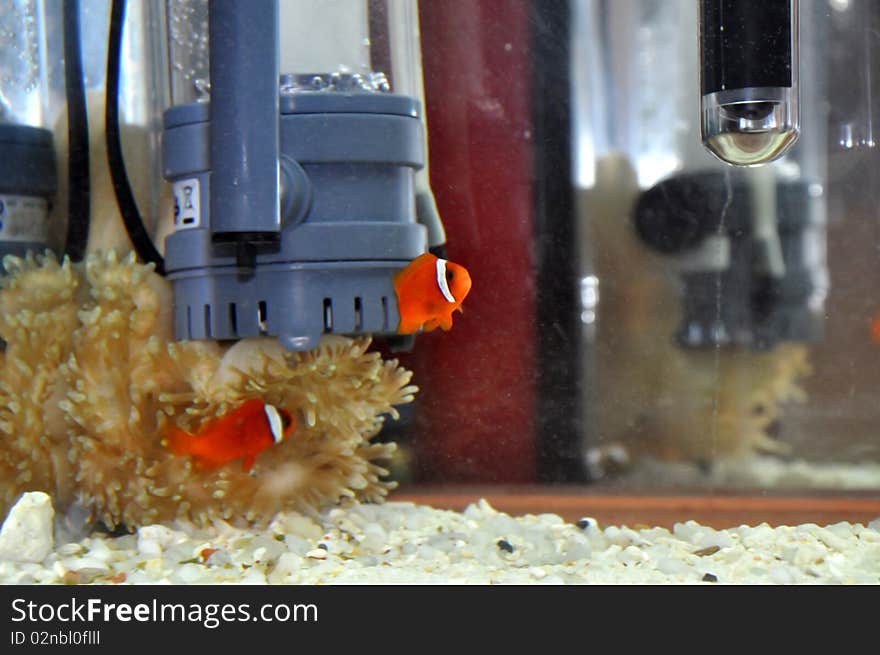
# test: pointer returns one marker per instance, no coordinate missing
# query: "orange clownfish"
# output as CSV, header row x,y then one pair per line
x,y
428,290
244,432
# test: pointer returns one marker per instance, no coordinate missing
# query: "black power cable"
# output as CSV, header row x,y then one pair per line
x,y
134,224
78,200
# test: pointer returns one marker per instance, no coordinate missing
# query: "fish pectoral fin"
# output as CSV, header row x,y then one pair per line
x,y
182,443
179,442
406,327
445,322
203,464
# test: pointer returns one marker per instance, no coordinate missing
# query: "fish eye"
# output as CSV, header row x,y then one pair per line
x,y
449,276
286,420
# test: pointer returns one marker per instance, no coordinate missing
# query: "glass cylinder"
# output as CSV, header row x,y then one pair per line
x,y
31,89
323,45
749,78
189,65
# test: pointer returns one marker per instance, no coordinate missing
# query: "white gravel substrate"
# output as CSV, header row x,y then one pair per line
x,y
402,543
751,472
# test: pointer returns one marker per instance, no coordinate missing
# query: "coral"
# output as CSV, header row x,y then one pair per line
x,y
91,377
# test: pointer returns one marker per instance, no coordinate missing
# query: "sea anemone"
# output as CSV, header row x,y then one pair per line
x,y
91,377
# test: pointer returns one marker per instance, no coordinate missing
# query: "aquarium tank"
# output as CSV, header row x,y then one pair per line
x,y
475,291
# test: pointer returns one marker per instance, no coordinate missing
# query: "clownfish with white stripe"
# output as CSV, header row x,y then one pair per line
x,y
428,290
244,433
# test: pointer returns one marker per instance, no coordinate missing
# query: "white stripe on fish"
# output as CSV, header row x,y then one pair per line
x,y
275,423
441,280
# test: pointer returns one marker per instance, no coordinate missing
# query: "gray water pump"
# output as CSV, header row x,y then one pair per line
x,y
348,222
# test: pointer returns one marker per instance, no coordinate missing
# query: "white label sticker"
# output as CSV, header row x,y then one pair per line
x,y
24,218
187,213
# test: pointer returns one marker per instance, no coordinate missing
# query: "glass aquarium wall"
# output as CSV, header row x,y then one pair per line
x,y
642,312
728,312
